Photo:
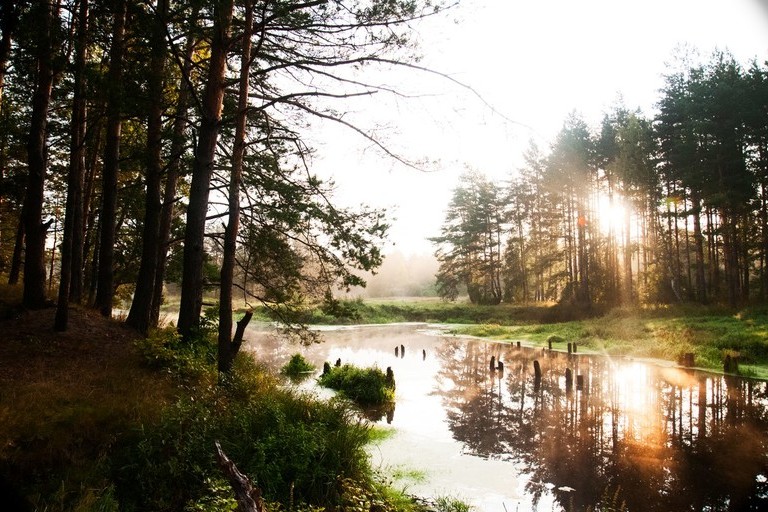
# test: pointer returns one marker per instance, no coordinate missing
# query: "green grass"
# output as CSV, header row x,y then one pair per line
x,y
664,333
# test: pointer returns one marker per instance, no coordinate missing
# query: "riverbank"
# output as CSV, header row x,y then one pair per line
x,y
88,424
664,333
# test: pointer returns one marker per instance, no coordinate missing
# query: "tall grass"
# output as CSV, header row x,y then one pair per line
x,y
661,333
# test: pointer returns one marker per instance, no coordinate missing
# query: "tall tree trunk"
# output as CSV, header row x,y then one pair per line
x,y
105,284
227,350
74,208
628,287
701,285
34,229
178,144
82,278
8,23
202,170
141,308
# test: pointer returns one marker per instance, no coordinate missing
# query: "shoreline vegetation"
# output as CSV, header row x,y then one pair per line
x,y
662,334
99,418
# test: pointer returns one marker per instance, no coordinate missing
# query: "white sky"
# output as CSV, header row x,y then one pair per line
x,y
534,62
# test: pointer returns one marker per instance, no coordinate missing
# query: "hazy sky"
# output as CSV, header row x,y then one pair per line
x,y
533,63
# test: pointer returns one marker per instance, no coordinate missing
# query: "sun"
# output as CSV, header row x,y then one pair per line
x,y
610,214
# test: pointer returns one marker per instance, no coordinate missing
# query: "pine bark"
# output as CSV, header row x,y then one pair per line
x,y
202,170
141,308
34,230
227,350
105,282
74,208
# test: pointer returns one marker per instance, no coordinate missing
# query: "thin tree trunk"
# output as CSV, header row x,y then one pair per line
x,y
34,229
202,170
701,285
8,23
227,350
178,144
141,308
18,251
105,285
74,208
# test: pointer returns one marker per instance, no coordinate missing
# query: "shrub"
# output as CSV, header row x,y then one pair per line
x,y
298,366
365,386
295,448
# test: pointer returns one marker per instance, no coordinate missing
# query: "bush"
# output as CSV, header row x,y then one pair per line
x,y
297,367
364,386
292,447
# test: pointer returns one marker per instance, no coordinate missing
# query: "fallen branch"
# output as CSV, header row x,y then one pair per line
x,y
248,496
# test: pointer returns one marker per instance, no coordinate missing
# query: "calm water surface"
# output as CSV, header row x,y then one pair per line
x,y
653,438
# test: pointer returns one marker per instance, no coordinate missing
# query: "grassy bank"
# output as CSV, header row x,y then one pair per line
x,y
662,333
659,333
98,419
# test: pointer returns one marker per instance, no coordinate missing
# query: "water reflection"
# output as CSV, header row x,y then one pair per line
x,y
652,438
617,432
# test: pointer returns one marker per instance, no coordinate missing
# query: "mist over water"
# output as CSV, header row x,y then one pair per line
x,y
622,432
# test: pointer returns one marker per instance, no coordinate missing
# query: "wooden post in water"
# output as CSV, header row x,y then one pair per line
x,y
570,348
568,379
390,379
492,366
536,374
397,351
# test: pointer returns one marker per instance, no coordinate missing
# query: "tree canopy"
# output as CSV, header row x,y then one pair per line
x,y
653,210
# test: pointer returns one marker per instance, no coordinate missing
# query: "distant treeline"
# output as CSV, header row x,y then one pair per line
x,y
672,208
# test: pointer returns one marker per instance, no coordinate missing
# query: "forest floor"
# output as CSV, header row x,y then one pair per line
x,y
65,397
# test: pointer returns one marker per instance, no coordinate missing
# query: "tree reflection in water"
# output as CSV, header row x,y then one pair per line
x,y
656,439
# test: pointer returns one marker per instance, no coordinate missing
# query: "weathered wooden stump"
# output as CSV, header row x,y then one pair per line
x,y
397,351
492,366
568,379
500,366
570,348
390,378
549,344
518,344
574,347
402,350
536,371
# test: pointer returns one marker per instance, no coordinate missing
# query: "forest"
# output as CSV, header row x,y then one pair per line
x,y
660,209
152,142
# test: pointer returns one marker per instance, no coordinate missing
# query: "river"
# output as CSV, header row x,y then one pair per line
x,y
621,432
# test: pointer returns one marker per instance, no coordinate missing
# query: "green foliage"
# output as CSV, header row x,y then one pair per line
x,y
450,504
192,360
293,447
661,333
365,386
297,366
